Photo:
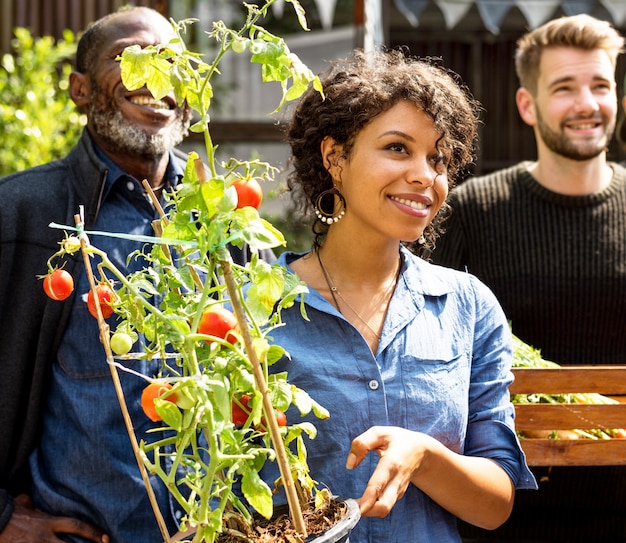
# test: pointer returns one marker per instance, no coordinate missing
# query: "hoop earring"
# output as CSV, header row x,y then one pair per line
x,y
333,216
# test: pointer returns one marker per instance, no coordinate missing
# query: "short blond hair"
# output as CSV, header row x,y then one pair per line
x,y
579,31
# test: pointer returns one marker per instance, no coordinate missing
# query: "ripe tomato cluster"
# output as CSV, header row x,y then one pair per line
x,y
59,284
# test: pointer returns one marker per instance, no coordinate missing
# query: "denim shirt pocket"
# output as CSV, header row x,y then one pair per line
x,y
438,392
81,354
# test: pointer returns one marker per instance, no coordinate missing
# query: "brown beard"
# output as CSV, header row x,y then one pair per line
x,y
561,145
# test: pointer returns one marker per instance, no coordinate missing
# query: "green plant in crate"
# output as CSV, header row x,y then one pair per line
x,y
207,319
33,78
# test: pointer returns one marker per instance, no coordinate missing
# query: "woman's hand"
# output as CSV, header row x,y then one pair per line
x,y
28,525
474,489
400,454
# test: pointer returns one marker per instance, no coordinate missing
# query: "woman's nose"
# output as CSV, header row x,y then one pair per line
x,y
422,173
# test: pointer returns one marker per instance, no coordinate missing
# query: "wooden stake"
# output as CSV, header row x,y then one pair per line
x,y
104,339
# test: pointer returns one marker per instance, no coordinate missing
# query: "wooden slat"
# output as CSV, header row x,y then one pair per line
x,y
607,380
574,452
543,416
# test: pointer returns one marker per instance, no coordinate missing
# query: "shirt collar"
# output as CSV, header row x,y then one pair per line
x,y
173,173
420,278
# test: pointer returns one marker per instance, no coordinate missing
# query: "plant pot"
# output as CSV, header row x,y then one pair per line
x,y
338,533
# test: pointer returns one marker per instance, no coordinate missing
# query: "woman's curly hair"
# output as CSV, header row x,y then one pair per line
x,y
356,90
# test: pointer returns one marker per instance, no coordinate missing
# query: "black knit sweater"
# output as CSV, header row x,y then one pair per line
x,y
557,264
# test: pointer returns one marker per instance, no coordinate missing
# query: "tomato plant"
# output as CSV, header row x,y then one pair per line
x,y
180,296
58,284
105,297
150,394
249,192
219,322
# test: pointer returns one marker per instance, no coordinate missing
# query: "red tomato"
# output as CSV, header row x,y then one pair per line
x,y
239,413
150,393
105,296
219,322
249,192
281,418
58,284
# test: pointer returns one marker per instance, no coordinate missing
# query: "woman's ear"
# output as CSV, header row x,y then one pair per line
x,y
329,150
80,89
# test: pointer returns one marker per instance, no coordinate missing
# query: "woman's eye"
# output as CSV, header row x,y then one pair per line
x,y
398,147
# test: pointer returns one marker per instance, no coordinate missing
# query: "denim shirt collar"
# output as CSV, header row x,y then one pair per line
x,y
173,173
417,280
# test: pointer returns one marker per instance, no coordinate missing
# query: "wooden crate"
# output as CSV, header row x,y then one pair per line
x,y
606,380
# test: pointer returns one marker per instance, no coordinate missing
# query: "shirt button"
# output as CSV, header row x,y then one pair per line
x,y
130,186
373,384
178,514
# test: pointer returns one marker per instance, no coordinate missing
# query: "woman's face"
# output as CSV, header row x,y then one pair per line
x,y
394,181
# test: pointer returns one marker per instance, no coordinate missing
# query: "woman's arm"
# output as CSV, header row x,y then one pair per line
x,y
474,489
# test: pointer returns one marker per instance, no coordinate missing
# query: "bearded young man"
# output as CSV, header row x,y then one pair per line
x,y
549,237
67,469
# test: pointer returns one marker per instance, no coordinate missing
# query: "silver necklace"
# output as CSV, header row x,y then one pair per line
x,y
334,292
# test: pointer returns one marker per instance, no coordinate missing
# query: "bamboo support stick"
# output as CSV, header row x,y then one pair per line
x,y
279,447
104,338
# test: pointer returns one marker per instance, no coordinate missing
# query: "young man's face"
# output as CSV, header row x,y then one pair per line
x,y
575,107
132,122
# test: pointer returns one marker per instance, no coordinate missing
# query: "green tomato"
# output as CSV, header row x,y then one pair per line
x,y
239,44
121,343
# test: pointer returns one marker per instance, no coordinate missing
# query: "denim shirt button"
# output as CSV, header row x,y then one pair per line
x,y
130,186
178,514
373,384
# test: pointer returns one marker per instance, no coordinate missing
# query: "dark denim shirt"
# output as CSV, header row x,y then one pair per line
x,y
84,466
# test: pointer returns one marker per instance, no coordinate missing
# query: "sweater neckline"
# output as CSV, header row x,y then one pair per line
x,y
617,184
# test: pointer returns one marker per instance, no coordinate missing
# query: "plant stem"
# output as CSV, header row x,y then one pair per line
x,y
270,416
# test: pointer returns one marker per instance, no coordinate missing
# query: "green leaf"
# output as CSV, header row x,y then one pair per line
x,y
217,196
170,414
257,492
300,13
135,66
267,288
159,82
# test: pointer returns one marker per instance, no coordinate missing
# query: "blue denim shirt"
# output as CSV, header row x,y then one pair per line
x,y
442,368
84,466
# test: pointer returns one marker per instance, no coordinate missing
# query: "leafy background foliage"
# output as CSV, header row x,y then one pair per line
x,y
38,120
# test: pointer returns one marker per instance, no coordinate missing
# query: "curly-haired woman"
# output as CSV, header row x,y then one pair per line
x,y
412,360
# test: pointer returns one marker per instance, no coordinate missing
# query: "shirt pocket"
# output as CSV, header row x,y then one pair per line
x,y
437,396
81,354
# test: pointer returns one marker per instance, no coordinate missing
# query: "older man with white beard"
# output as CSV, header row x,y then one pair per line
x,y
67,470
